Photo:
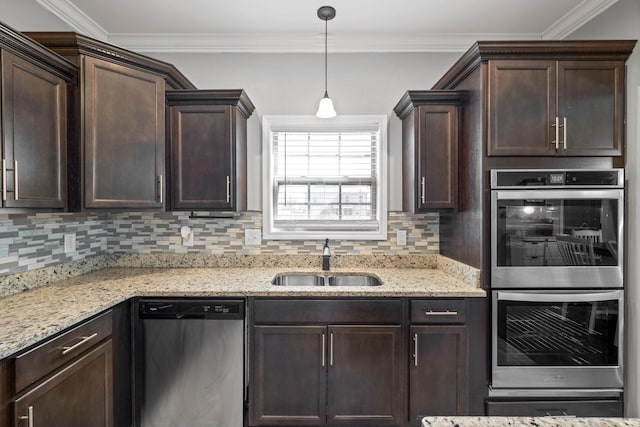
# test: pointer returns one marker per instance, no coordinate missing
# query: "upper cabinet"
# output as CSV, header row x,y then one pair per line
x,y
120,126
547,108
549,98
429,149
34,115
208,149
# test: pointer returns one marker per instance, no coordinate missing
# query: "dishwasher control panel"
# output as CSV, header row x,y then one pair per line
x,y
191,309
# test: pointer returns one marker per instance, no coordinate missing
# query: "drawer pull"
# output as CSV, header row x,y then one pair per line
x,y
324,350
84,340
440,313
228,189
28,417
415,349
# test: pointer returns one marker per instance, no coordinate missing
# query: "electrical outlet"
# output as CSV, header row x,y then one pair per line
x,y
186,233
401,238
252,237
69,243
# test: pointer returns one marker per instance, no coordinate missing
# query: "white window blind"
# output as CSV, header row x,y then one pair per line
x,y
325,181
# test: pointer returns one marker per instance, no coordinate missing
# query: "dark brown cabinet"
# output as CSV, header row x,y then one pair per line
x,y
548,107
77,396
339,363
208,149
68,380
429,149
34,124
123,135
364,374
119,103
438,369
290,383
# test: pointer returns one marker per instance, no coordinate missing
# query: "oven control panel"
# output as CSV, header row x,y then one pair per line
x,y
591,178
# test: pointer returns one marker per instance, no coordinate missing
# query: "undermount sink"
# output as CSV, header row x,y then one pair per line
x,y
340,279
354,280
298,280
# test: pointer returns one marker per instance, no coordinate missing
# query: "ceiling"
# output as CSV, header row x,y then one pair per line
x,y
292,25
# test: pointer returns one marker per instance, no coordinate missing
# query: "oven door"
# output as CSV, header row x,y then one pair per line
x,y
557,340
557,238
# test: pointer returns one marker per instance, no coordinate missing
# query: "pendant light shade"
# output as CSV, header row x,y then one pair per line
x,y
326,109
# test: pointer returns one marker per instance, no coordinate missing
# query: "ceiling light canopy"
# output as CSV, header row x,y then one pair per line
x,y
326,109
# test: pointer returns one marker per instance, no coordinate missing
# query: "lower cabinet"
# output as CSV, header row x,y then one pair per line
x,y
320,373
438,367
77,396
79,378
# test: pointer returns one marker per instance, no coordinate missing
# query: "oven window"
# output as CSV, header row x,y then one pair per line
x,y
557,334
553,232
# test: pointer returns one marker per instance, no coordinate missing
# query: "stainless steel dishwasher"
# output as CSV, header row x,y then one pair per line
x,y
192,362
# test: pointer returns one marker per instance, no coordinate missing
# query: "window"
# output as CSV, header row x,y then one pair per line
x,y
325,178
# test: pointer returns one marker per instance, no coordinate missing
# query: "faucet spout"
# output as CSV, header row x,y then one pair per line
x,y
326,254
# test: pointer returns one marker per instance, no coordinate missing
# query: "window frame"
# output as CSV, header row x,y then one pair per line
x,y
317,230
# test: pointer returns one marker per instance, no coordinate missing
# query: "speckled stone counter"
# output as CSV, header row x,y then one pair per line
x,y
30,316
528,422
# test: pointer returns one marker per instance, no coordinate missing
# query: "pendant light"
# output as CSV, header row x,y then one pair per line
x,y
325,109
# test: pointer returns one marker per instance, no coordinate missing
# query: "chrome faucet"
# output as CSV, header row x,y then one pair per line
x,y
326,254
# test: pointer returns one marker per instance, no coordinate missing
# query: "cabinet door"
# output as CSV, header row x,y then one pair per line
x,y
438,372
365,369
78,396
202,152
437,157
591,98
123,131
522,108
289,375
34,125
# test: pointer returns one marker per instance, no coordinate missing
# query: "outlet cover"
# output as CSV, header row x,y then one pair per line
x,y
401,238
69,242
252,237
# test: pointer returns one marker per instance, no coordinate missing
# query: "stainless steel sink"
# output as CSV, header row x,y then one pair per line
x,y
354,280
298,280
302,279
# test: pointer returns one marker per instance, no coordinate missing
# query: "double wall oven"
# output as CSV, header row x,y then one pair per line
x,y
557,282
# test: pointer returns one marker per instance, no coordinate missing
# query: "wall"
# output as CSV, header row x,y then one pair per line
x,y
621,21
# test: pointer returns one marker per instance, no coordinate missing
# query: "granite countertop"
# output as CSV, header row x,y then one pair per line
x,y
30,316
528,422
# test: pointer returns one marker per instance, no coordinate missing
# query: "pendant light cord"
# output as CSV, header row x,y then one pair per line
x,y
325,58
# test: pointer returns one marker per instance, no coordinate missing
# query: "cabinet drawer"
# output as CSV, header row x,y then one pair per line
x,y
541,408
36,363
327,311
438,311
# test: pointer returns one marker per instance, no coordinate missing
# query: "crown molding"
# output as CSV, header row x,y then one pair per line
x,y
576,18
75,18
304,43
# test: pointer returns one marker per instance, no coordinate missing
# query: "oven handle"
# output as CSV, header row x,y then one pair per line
x,y
572,194
563,297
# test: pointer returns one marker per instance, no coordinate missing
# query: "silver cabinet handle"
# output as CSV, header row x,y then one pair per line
x,y
564,125
15,180
324,349
28,417
84,340
331,349
440,313
422,191
415,349
228,189
4,179
160,196
557,126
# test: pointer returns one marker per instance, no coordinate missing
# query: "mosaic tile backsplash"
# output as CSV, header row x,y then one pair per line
x,y
29,242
